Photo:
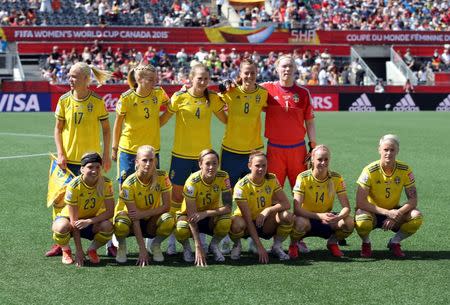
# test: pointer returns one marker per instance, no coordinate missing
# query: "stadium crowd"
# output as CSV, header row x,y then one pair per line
x,y
315,67
317,14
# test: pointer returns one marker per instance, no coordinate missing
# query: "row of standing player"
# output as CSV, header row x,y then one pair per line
x,y
288,109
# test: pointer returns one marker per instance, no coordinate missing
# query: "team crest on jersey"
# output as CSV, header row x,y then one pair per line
x,y
215,188
397,180
135,104
90,107
296,98
258,98
268,190
81,194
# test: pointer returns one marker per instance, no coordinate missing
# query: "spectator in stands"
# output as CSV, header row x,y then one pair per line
x,y
409,59
436,61
219,4
201,54
408,87
56,6
379,87
182,57
46,6
445,57
323,77
86,56
148,18
103,8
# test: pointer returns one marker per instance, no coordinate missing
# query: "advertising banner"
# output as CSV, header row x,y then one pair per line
x,y
25,102
371,102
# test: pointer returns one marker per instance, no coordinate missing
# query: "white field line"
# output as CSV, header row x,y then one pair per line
x,y
24,135
24,156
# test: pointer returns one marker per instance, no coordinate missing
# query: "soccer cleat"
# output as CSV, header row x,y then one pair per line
x,y
302,247
293,251
366,250
188,256
343,242
93,257
171,247
251,246
282,256
121,256
157,252
54,251
235,253
335,251
67,257
214,249
111,251
396,249
225,245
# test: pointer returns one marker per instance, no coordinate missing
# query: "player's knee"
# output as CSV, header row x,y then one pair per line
x,y
222,225
61,239
364,224
102,237
182,230
165,225
412,225
122,224
237,224
106,226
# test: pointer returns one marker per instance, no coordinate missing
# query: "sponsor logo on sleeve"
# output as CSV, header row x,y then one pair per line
x,y
362,104
190,190
364,178
238,193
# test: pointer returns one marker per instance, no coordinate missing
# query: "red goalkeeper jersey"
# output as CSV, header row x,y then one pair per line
x,y
287,110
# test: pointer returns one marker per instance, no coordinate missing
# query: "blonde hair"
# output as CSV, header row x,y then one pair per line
x,y
286,56
194,69
206,152
330,185
390,138
140,69
100,186
148,149
100,75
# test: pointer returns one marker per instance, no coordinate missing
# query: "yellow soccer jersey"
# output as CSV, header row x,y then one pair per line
x,y
207,196
141,124
243,130
145,198
193,123
317,196
258,197
82,118
384,190
89,203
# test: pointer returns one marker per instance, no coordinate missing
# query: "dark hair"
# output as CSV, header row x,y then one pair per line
x,y
207,152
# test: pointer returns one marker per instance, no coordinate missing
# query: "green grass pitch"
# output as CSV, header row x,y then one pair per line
x,y
27,277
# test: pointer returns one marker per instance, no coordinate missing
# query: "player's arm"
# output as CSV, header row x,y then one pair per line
x,y
165,117
106,132
225,209
311,130
164,208
246,214
411,203
59,126
362,203
117,130
73,216
222,116
107,214
345,203
193,218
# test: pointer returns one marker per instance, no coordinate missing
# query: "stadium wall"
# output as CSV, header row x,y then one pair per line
x,y
42,96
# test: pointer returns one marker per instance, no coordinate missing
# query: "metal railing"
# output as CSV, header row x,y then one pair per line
x,y
369,77
398,61
10,65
